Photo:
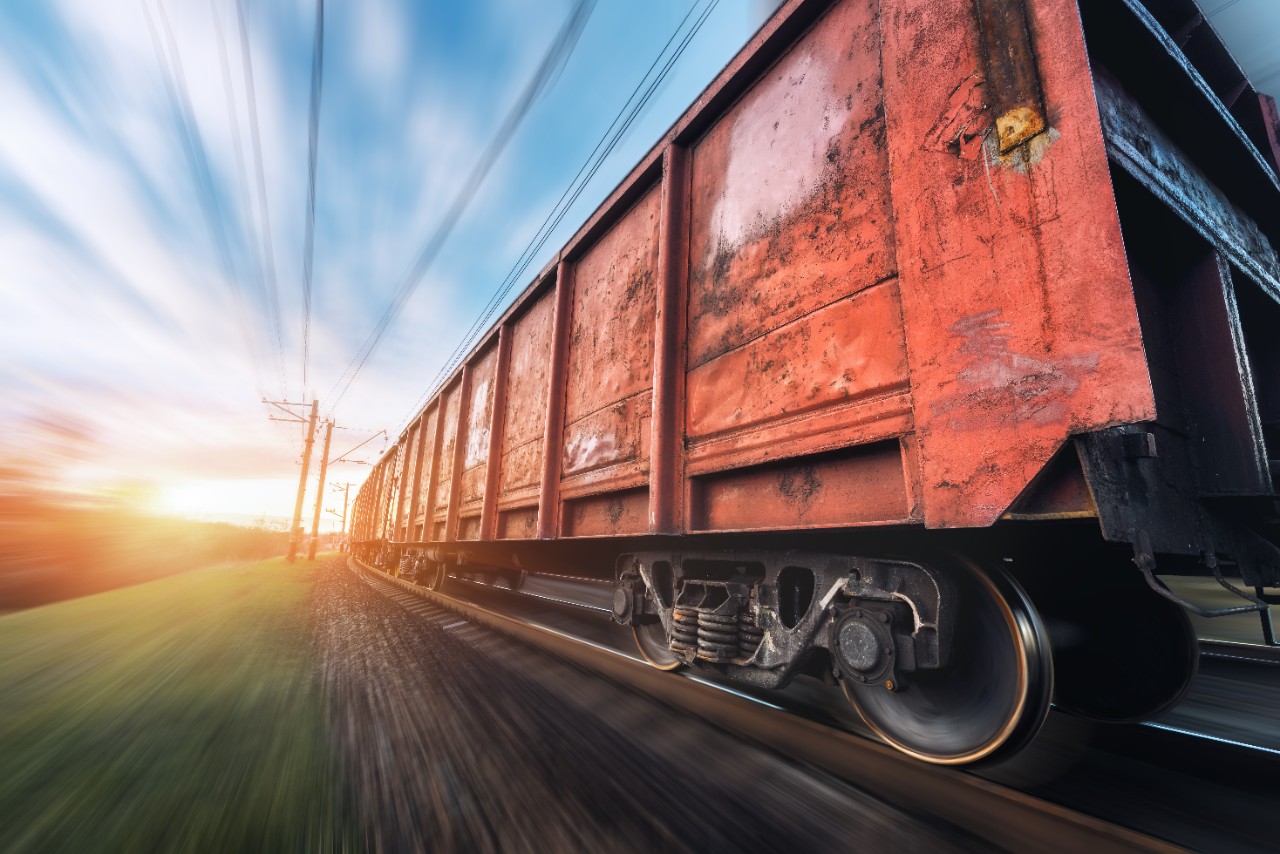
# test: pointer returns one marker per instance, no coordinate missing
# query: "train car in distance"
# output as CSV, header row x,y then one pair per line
x,y
927,342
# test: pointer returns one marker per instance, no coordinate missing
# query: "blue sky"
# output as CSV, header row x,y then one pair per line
x,y
125,358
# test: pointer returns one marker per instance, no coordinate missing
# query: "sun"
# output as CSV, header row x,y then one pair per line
x,y
227,499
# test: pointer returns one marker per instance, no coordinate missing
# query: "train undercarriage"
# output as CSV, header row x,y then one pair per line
x,y
953,654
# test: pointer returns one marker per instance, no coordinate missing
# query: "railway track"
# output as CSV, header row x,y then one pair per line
x,y
1095,804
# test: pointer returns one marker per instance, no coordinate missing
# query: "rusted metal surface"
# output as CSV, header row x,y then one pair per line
x,y
447,428
482,380
860,486
608,404
789,202
552,434
462,429
497,425
413,507
1012,84
666,445
1145,151
1058,492
1006,358
847,351
608,515
525,412
408,482
848,269
430,421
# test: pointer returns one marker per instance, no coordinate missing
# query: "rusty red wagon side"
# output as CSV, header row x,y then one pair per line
x,y
925,320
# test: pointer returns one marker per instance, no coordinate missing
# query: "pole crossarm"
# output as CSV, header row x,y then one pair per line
x,y
282,406
342,458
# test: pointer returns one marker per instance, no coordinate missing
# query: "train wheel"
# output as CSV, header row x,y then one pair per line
x,y
651,638
993,694
1123,655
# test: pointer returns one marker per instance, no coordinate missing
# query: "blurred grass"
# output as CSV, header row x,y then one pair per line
x,y
178,715
53,549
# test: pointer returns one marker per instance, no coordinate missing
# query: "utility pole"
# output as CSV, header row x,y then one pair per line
x,y
345,489
295,529
324,467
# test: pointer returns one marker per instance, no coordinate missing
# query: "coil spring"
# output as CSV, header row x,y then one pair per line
x,y
717,636
684,628
749,634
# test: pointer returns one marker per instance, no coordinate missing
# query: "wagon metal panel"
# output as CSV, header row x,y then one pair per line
x,y
1020,320
527,396
425,478
451,407
790,207
479,415
608,394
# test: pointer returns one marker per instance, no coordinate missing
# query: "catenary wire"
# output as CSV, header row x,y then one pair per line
x,y
242,176
608,141
313,140
556,54
198,163
264,210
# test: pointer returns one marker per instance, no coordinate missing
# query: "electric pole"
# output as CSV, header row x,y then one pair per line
x,y
345,489
295,529
324,466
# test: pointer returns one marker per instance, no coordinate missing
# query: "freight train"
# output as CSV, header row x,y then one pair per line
x,y
914,357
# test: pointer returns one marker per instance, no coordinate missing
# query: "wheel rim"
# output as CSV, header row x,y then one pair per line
x,y
651,639
992,696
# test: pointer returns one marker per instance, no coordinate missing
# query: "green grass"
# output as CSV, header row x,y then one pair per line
x,y
176,715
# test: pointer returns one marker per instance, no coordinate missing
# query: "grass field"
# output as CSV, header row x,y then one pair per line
x,y
178,715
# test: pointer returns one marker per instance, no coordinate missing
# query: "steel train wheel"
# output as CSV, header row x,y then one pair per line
x,y
1123,655
651,639
992,696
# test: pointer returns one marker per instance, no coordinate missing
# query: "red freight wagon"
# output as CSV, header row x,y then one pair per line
x,y
929,319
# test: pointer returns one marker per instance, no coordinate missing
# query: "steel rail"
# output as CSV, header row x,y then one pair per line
x,y
1005,818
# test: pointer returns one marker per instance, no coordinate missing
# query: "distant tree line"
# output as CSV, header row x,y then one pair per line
x,y
53,547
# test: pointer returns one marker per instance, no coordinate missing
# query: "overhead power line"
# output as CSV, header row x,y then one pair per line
x,y
313,140
264,210
558,53
198,163
243,181
617,130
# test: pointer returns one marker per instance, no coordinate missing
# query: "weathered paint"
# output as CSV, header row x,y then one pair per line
x,y
408,483
609,515
497,425
794,320
610,359
1007,357
553,433
456,479
479,417
430,418
450,409
850,487
847,350
869,290
789,199
528,386
1012,84
666,458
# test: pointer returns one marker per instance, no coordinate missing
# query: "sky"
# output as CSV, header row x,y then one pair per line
x,y
153,222
152,264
